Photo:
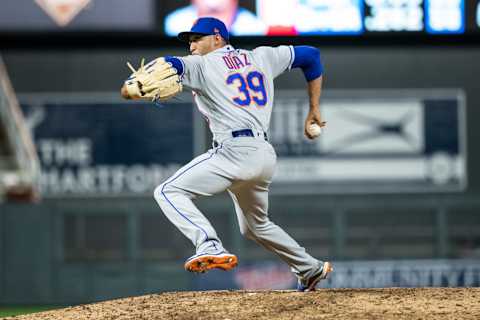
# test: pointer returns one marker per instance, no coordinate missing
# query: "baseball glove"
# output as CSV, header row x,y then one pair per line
x,y
157,80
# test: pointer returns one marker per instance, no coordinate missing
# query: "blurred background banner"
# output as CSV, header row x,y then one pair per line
x,y
384,141
77,15
406,273
97,146
247,17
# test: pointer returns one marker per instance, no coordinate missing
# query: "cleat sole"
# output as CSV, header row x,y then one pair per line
x,y
204,263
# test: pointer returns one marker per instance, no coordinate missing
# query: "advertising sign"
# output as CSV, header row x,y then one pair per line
x,y
101,146
374,141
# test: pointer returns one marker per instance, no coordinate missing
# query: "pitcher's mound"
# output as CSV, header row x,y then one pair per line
x,y
392,303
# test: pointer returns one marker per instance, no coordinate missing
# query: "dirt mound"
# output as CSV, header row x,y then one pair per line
x,y
392,303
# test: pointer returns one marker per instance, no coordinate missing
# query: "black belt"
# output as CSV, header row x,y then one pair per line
x,y
242,133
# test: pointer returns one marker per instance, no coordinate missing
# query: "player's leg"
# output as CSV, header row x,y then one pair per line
x,y
251,206
202,176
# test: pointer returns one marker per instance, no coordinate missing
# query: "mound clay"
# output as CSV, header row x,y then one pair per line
x,y
392,303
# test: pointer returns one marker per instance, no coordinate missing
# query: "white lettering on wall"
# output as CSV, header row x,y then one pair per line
x,y
67,169
102,179
65,152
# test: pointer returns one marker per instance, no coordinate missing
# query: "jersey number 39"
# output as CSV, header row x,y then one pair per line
x,y
250,86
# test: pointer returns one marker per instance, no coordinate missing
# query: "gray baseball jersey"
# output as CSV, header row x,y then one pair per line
x,y
233,88
234,91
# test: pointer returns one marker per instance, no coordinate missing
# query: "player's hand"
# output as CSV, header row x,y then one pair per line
x,y
313,118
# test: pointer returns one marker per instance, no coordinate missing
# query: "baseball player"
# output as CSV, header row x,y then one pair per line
x,y
233,89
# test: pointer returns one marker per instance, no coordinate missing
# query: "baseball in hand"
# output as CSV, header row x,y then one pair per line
x,y
315,130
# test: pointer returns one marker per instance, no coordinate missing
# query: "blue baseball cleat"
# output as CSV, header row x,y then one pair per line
x,y
310,283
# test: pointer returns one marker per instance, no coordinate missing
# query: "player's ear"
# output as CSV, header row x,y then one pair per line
x,y
218,38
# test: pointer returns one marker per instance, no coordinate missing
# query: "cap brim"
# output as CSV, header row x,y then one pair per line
x,y
185,36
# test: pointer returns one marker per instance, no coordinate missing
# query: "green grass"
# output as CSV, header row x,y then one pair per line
x,y
8,311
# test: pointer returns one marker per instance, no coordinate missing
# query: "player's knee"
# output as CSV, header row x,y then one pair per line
x,y
160,193
167,192
157,193
261,230
247,232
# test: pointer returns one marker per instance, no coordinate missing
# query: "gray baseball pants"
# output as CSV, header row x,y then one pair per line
x,y
244,166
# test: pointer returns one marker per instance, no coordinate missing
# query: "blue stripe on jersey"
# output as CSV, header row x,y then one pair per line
x,y
308,59
176,63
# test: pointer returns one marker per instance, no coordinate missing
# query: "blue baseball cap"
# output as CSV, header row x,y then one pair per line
x,y
205,26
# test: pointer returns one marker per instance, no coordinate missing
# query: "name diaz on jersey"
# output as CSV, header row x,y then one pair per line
x,y
235,62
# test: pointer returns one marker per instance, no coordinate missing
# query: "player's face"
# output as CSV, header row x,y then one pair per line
x,y
201,45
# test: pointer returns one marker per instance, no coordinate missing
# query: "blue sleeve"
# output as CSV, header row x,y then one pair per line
x,y
176,63
308,59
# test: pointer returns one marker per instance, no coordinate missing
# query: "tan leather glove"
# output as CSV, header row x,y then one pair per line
x,y
158,80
